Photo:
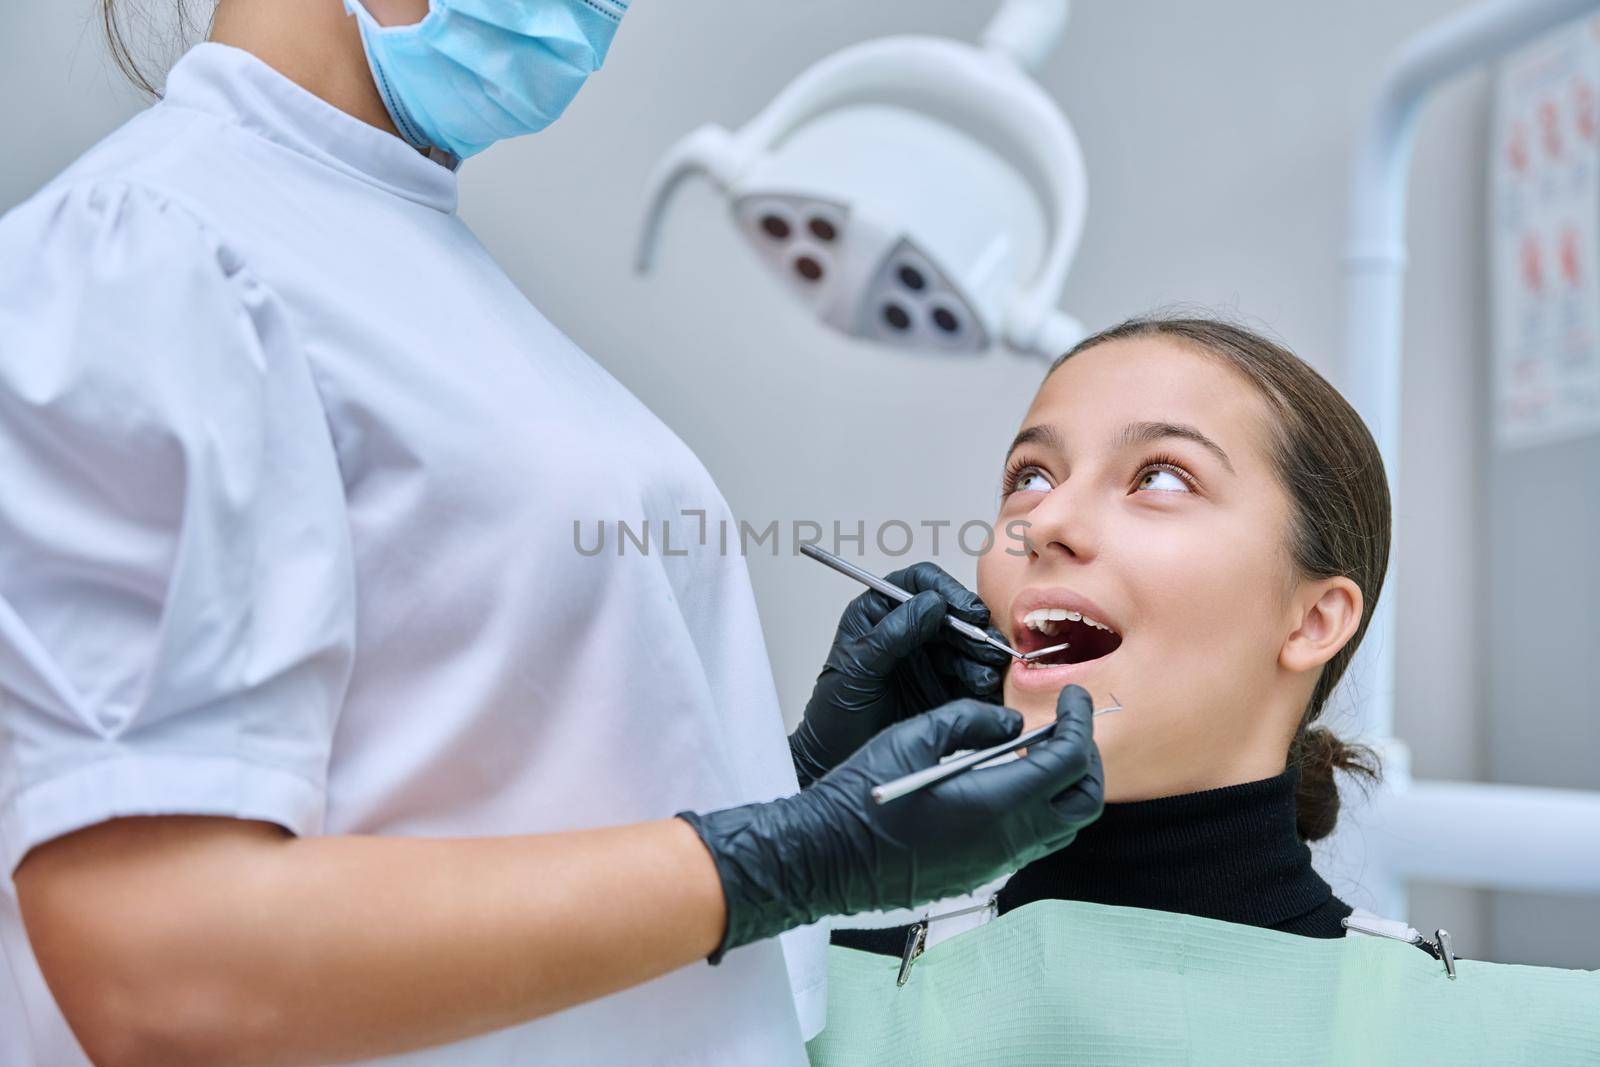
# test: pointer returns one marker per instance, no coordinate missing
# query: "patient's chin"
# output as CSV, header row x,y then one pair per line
x,y
1037,708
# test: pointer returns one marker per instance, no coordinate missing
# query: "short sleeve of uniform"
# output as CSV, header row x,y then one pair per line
x,y
176,584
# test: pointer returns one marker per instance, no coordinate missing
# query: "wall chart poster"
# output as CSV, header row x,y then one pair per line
x,y
1544,186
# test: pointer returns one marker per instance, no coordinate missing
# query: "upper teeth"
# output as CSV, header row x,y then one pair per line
x,y
1047,620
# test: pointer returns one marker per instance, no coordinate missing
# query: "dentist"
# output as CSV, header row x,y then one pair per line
x,y
319,740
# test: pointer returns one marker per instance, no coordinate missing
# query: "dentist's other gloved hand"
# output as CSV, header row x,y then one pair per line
x,y
892,661
830,850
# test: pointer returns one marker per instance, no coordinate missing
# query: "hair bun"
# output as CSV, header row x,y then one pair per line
x,y
1317,753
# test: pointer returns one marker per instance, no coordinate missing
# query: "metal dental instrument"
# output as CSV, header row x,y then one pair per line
x,y
872,581
910,783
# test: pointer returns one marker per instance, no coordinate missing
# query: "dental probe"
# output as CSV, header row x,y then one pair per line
x,y
872,581
910,783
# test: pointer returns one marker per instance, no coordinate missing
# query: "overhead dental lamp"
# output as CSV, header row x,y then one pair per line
x,y
915,191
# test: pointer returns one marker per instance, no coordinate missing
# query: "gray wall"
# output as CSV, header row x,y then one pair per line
x,y
1217,137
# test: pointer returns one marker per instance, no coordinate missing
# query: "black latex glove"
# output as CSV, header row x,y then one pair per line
x,y
891,661
831,850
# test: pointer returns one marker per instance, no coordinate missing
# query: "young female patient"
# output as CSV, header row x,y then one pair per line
x,y
1207,525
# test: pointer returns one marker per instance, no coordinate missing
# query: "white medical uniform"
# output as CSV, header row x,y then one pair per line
x,y
289,472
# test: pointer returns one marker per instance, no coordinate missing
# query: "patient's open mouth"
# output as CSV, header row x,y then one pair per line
x,y
1087,638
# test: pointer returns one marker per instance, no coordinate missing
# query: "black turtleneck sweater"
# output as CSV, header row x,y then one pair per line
x,y
1229,854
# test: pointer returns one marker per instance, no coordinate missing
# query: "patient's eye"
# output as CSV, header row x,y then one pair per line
x,y
1177,479
1033,481
1026,479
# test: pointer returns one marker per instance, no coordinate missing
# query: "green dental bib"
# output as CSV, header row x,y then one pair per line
x,y
1062,981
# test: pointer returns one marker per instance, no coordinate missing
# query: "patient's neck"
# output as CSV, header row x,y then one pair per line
x,y
1229,854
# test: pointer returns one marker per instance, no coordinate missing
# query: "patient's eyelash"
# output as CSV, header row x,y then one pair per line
x,y
1016,467
1162,461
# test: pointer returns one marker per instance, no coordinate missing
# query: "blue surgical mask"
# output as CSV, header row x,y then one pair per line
x,y
474,72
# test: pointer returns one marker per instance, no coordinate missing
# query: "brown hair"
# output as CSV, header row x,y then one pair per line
x,y
1333,473
120,24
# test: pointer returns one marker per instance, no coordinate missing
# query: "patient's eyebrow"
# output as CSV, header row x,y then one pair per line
x,y
1148,432
1044,435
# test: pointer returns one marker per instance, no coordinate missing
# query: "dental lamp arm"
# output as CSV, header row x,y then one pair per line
x,y
1027,31
990,98
985,92
1056,334
711,151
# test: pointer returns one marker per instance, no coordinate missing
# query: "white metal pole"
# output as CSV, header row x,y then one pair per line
x,y
1375,260
1374,267
1490,836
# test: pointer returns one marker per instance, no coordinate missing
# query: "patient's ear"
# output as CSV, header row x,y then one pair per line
x,y
1330,611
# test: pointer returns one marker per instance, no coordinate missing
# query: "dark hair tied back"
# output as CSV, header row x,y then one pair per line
x,y
1316,752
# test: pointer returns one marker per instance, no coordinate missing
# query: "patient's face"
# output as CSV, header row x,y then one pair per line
x,y
1158,540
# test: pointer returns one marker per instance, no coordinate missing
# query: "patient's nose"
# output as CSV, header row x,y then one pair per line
x,y
1063,524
